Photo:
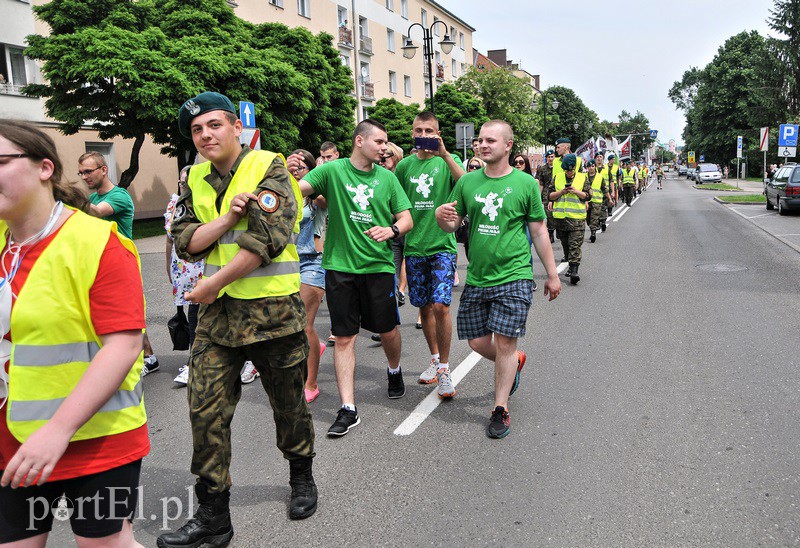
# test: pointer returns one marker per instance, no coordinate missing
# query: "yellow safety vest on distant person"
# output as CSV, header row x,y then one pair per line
x,y
53,339
597,183
629,177
279,278
569,206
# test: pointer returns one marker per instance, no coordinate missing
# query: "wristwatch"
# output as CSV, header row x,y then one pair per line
x,y
396,232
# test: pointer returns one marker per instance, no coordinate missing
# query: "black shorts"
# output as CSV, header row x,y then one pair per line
x,y
361,300
95,505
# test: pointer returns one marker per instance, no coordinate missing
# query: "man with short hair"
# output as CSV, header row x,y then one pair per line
x,y
108,201
328,152
630,179
428,178
594,215
366,209
569,191
613,180
242,215
112,203
563,146
500,202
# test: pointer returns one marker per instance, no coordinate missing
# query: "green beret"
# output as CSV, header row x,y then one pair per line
x,y
611,157
598,154
591,163
205,102
563,140
569,162
550,152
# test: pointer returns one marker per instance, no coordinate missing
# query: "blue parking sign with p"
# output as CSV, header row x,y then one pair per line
x,y
787,135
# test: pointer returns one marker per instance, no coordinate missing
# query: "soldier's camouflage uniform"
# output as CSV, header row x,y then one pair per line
x,y
268,331
571,231
597,212
544,174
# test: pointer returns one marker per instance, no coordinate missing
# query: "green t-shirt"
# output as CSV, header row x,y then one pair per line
x,y
498,211
428,184
357,201
119,199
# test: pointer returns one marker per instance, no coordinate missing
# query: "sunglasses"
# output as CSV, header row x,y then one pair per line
x,y
519,162
473,166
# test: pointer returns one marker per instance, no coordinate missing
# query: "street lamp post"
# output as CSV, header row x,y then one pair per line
x,y
554,104
409,49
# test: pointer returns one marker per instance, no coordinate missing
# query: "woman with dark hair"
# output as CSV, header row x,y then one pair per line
x,y
522,163
312,275
71,349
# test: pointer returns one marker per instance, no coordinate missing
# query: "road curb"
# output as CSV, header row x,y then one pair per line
x,y
716,199
779,238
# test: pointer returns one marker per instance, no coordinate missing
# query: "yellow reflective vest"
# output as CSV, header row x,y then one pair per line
x,y
53,339
558,169
597,183
629,176
569,206
280,277
612,179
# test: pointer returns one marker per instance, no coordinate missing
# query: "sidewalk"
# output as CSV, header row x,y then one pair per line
x,y
750,187
155,244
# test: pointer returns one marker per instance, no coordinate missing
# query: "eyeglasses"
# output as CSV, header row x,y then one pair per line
x,y
519,162
473,166
14,155
86,172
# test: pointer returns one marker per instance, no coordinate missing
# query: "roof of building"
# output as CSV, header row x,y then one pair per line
x,y
451,14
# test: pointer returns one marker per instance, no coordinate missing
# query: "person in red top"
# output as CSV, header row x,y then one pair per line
x,y
67,457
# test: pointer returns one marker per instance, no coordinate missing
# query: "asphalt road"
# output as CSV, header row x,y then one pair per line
x,y
659,407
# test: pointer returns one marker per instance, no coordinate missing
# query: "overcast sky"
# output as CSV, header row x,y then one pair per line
x,y
613,61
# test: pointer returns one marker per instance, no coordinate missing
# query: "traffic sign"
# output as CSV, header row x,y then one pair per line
x,y
764,139
251,137
739,146
653,133
702,157
247,114
787,135
787,152
464,134
690,156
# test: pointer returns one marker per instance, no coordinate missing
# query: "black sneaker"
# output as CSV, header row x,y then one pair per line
x,y
150,365
345,420
499,424
397,389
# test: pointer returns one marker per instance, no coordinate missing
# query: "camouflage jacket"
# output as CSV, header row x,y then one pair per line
x,y
587,189
237,322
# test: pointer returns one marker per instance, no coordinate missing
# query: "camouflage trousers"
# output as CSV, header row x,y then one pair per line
x,y
628,192
215,388
596,214
551,222
571,239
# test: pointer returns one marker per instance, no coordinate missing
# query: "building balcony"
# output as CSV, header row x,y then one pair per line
x,y
10,89
440,72
365,45
368,91
345,37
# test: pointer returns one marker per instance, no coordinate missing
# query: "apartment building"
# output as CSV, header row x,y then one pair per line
x,y
370,35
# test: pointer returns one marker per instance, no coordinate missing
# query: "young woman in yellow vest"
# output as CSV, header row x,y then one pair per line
x,y
73,428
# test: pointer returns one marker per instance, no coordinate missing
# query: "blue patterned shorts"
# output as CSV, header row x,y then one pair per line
x,y
430,279
501,309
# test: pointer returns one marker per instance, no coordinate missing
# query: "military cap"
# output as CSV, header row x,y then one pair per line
x,y
611,157
205,102
563,140
589,163
598,154
569,162
550,152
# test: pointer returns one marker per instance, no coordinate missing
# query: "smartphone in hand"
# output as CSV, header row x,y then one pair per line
x,y
426,143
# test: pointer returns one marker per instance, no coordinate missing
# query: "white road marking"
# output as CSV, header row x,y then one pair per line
x,y
618,215
432,400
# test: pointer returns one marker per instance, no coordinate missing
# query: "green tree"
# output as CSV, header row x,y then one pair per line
x,y
504,97
571,111
784,19
632,124
454,107
398,119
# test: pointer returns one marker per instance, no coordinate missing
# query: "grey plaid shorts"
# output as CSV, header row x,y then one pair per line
x,y
501,309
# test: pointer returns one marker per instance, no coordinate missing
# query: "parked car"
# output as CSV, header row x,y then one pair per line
x,y
783,190
707,173
682,170
690,173
665,167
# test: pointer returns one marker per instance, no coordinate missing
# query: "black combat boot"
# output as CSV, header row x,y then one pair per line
x,y
593,237
210,526
304,490
603,226
573,274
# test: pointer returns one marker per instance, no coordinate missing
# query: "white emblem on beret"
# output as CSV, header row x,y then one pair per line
x,y
192,107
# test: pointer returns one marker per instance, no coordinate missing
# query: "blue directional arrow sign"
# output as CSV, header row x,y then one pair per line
x,y
247,114
653,133
787,135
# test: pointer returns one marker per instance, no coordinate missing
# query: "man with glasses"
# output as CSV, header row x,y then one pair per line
x,y
428,178
108,201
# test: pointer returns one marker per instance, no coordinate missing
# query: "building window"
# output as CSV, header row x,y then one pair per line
x,y
424,18
407,85
461,40
404,8
390,5
345,59
304,8
107,150
427,89
276,3
363,29
454,69
364,114
390,39
463,69
392,82
342,16
453,33
12,66
435,26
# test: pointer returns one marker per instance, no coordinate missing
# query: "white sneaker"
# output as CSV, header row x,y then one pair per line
x,y
183,376
249,372
429,375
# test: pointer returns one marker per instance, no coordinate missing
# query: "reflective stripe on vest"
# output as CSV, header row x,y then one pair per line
x,y
51,352
282,275
628,177
597,184
569,206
